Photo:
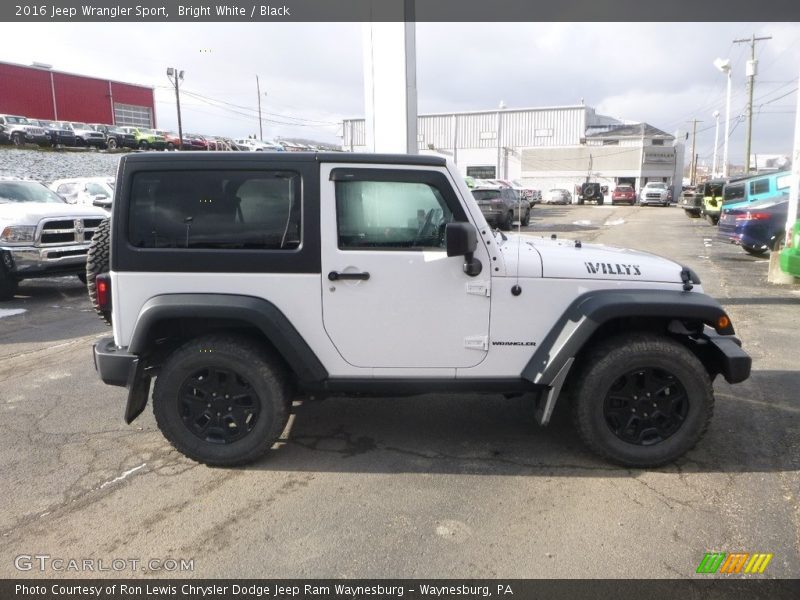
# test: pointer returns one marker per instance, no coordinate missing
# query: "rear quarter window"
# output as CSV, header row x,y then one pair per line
x,y
215,210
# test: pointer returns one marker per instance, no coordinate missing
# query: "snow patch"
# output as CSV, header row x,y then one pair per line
x,y
10,312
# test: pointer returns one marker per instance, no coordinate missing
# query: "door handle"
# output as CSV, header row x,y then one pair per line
x,y
336,276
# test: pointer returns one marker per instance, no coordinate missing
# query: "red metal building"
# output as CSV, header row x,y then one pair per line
x,y
39,92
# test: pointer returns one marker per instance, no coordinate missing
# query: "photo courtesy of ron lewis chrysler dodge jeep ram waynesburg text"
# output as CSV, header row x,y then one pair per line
x,y
239,282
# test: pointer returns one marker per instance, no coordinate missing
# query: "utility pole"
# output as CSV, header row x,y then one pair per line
x,y
176,77
693,170
751,81
260,128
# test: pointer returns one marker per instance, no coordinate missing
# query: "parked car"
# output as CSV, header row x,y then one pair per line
x,y
790,255
755,227
192,141
591,191
171,139
623,194
56,134
40,234
18,131
116,137
94,191
654,192
501,206
85,135
146,138
691,201
557,196
259,146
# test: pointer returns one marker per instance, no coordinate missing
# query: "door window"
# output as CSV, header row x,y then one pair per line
x,y
390,215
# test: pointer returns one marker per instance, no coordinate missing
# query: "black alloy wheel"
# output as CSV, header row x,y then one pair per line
x,y
218,405
645,406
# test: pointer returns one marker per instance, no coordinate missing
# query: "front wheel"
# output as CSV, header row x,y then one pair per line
x,y
111,144
756,250
526,220
8,285
221,400
143,145
712,219
641,400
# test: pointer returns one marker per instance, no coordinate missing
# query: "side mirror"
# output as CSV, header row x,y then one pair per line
x,y
461,239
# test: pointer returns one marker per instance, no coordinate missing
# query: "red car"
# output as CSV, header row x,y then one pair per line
x,y
623,194
172,139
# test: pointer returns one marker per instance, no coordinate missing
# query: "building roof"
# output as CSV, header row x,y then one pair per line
x,y
635,130
48,69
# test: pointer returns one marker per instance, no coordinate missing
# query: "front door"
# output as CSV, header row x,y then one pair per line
x,y
391,296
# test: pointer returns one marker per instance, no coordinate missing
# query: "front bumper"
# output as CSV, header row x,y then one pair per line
x,y
727,357
29,261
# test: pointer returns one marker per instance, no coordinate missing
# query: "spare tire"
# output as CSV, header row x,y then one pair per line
x,y
97,262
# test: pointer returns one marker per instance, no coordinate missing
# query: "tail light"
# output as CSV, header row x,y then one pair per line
x,y
103,286
753,216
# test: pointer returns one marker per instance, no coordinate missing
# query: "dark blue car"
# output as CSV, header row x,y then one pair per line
x,y
755,226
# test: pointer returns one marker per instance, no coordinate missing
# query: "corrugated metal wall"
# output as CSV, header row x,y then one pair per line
x,y
537,127
27,91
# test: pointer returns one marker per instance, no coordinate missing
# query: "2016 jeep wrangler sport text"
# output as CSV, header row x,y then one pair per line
x,y
239,283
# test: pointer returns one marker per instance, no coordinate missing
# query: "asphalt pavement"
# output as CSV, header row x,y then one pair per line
x,y
432,486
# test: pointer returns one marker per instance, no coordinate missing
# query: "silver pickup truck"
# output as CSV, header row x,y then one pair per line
x,y
40,234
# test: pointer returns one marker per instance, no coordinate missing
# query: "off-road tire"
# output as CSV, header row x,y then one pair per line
x,y
111,144
505,224
170,146
96,263
526,220
692,214
8,285
263,371
17,139
712,219
605,363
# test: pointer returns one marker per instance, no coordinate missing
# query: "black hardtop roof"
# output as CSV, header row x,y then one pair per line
x,y
267,157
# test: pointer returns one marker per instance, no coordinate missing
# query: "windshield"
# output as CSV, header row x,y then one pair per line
x,y
18,120
81,126
97,189
486,194
26,191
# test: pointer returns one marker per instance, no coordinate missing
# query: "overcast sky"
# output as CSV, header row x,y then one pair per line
x,y
311,73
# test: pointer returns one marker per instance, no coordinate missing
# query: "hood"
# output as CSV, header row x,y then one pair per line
x,y
564,259
30,213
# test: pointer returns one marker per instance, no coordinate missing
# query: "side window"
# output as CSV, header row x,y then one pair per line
x,y
733,192
216,209
65,189
759,186
390,214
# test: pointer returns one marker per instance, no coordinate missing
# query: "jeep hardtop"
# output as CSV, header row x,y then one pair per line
x,y
240,282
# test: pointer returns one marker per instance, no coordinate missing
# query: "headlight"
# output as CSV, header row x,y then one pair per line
x,y
18,233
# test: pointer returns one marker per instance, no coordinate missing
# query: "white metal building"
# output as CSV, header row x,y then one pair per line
x,y
544,147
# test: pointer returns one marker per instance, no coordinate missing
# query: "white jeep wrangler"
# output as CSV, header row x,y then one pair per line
x,y
241,282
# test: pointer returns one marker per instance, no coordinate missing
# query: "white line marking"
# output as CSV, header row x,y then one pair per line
x,y
124,475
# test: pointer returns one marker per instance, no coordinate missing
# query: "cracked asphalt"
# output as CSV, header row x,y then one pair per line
x,y
434,486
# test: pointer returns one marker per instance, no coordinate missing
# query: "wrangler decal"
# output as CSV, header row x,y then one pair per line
x,y
612,269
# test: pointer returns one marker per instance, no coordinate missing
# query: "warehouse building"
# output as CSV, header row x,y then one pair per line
x,y
545,147
39,92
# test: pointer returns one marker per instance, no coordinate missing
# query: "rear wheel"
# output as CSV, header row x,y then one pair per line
x,y
641,400
505,225
97,263
221,400
17,139
756,250
712,219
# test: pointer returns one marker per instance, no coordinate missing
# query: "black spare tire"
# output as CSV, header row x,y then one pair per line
x,y
97,262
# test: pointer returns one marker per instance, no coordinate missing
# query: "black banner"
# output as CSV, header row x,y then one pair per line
x,y
416,589
401,10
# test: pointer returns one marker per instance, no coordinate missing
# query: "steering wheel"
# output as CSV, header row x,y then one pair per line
x,y
425,225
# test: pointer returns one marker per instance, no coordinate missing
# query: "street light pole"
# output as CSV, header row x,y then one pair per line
x,y
176,77
724,65
716,144
260,127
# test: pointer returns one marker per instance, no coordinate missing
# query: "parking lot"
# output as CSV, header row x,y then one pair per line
x,y
431,486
